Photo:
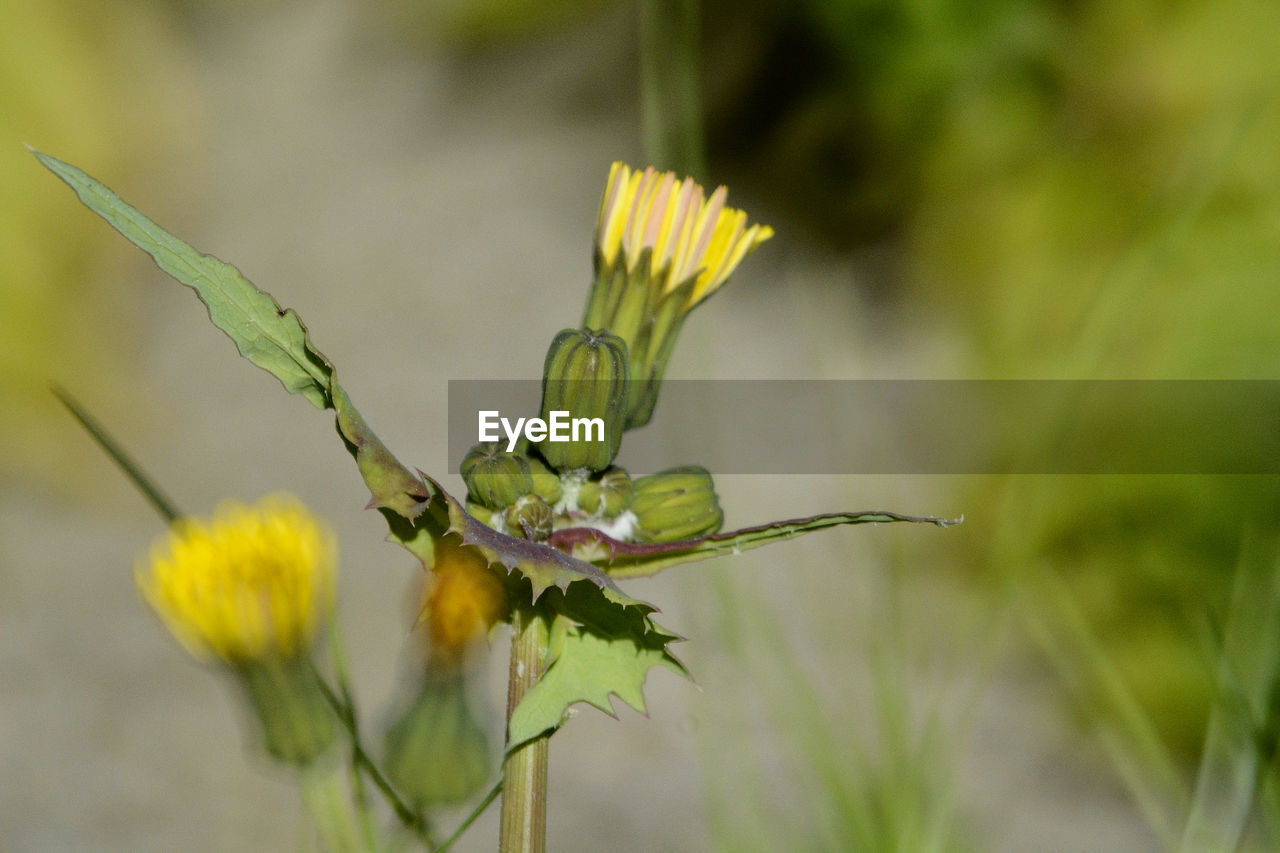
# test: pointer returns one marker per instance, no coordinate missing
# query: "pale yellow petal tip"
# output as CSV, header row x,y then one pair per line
x,y
689,235
252,582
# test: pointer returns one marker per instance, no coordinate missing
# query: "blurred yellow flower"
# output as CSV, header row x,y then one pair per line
x,y
465,599
251,584
688,236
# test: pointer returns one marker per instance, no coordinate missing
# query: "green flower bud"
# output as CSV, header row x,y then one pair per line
x,y
437,753
546,483
480,513
676,504
494,477
297,723
529,517
586,375
608,495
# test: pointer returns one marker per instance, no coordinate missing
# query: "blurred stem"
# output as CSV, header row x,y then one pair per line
x,y
471,818
670,85
326,801
524,773
337,654
412,820
158,500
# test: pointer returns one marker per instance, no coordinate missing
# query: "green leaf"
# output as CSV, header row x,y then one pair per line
x,y
392,485
632,560
597,650
269,336
544,566
276,340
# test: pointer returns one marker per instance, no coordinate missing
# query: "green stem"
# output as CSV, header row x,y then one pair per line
x,y
524,773
670,89
326,802
471,818
149,490
412,820
337,654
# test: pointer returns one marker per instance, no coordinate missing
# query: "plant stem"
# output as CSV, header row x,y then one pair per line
x,y
337,655
524,773
412,821
158,500
326,801
670,90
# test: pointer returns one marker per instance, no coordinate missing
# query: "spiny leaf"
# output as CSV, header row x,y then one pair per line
x,y
591,669
269,336
630,560
544,566
597,650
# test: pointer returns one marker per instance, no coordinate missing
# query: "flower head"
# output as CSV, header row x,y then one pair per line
x,y
465,597
689,237
251,584
662,247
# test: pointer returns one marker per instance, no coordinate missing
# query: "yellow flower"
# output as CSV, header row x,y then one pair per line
x,y
662,247
465,599
689,237
252,584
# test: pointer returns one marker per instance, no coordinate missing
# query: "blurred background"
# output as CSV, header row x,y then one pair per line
x,y
960,190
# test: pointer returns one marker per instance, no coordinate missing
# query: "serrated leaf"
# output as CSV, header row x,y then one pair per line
x,y
597,650
269,336
544,566
632,560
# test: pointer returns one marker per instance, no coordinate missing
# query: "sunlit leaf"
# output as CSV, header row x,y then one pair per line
x,y
276,340
271,337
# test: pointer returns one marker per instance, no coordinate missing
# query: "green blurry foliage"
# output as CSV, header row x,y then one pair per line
x,y
1079,190
1135,239
102,83
479,23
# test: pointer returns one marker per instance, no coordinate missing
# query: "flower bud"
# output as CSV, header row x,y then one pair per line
x,y
494,477
297,725
438,753
546,483
480,513
676,504
586,375
529,517
663,245
608,495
